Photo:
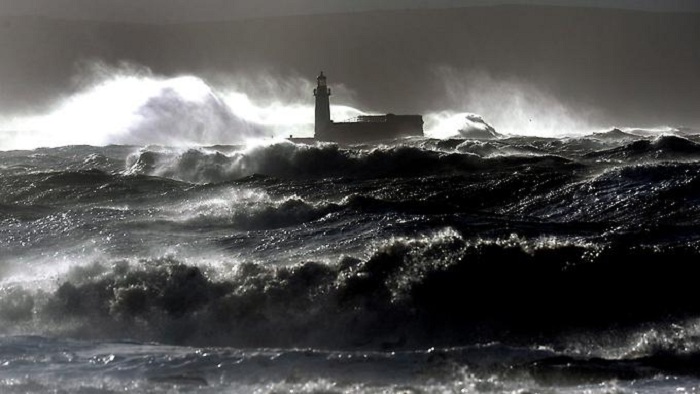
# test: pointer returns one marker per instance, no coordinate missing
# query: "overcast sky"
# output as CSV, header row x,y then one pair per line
x,y
158,11
602,63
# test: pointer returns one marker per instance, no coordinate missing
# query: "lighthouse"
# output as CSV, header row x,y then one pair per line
x,y
323,105
364,128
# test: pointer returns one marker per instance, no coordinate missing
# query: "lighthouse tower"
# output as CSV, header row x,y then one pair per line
x,y
323,106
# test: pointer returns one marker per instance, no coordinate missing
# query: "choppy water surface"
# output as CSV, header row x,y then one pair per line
x,y
506,265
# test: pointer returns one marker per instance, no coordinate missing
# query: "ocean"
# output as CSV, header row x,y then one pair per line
x,y
505,265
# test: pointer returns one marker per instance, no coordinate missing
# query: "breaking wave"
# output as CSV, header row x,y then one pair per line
x,y
288,160
136,109
434,290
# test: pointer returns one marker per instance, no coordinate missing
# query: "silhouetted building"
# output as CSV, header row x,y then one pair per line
x,y
363,128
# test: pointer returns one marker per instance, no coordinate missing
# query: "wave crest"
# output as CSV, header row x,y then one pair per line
x,y
433,290
288,160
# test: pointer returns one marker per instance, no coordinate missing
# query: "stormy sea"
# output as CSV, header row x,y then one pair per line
x,y
158,235
508,264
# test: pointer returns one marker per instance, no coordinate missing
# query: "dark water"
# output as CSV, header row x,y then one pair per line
x,y
510,265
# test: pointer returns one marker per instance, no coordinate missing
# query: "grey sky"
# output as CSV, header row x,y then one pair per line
x,y
607,66
160,11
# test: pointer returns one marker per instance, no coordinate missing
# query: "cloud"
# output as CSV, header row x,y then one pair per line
x,y
165,11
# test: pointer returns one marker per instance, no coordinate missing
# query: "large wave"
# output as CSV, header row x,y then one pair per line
x,y
435,290
288,160
136,109
132,105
